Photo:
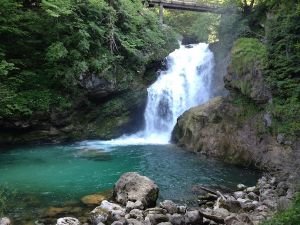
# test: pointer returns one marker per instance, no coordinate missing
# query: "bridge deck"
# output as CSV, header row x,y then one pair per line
x,y
184,5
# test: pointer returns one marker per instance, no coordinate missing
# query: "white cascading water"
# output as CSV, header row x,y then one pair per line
x,y
186,83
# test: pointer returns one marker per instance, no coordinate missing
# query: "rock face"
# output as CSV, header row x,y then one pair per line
x,y
97,87
219,129
134,187
251,84
121,113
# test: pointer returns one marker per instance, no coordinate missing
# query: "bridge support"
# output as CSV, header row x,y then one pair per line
x,y
161,13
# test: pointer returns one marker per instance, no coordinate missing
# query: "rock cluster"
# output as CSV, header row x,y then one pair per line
x,y
134,195
167,213
248,205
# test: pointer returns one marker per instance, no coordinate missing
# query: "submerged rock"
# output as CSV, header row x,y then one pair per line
x,y
170,206
94,154
61,211
134,187
94,199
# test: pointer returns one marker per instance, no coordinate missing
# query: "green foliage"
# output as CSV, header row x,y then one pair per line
x,y
286,114
247,107
288,217
200,26
247,54
282,69
45,49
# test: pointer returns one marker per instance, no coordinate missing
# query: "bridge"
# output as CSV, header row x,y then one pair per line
x,y
188,5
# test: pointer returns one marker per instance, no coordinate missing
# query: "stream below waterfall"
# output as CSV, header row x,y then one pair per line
x,y
40,177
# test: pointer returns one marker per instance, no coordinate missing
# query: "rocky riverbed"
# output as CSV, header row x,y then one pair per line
x,y
134,203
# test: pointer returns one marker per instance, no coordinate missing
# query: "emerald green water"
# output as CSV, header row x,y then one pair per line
x,y
53,175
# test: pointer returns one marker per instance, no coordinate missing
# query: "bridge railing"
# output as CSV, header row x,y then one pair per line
x,y
184,2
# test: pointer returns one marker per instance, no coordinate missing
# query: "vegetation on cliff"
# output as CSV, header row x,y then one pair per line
x,y
288,217
47,47
60,61
277,53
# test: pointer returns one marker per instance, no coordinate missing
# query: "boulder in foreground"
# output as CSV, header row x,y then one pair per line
x,y
134,187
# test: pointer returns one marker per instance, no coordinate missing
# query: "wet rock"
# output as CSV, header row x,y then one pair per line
x,y
248,206
94,199
270,203
243,201
170,206
262,208
67,221
155,210
134,222
177,219
5,221
233,206
136,214
239,194
243,217
251,189
253,196
134,205
157,218
282,188
230,220
193,218
181,209
118,223
241,187
107,211
134,187
221,212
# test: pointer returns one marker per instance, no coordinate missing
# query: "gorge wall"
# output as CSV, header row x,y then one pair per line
x,y
237,128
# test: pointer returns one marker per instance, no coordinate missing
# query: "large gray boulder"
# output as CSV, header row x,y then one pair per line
x,y
134,187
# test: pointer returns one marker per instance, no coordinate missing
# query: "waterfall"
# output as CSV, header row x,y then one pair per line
x,y
185,83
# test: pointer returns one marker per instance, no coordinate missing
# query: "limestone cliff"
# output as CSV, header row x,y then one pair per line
x,y
236,128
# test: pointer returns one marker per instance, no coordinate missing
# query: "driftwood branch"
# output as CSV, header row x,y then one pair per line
x,y
221,195
216,193
208,190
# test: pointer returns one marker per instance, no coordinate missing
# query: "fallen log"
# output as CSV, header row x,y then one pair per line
x,y
208,190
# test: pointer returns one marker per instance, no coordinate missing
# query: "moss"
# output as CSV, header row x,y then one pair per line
x,y
247,107
247,54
